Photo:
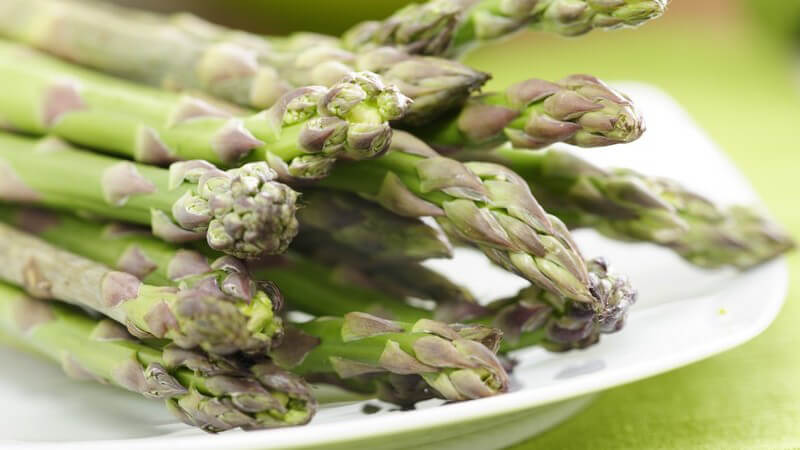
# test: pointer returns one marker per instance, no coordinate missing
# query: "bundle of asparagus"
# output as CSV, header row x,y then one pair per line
x,y
392,158
208,392
184,52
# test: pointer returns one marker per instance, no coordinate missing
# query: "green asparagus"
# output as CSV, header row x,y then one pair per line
x,y
402,390
627,205
200,312
483,204
96,240
579,109
436,85
457,361
301,135
319,288
403,277
330,287
134,250
450,27
183,52
242,212
337,217
532,317
205,392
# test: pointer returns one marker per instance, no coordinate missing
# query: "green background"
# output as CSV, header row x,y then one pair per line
x,y
741,81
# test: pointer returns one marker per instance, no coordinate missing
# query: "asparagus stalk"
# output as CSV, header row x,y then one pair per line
x,y
326,286
627,205
436,85
242,212
301,135
202,311
158,263
451,27
344,219
483,204
450,359
134,250
142,47
579,109
532,317
402,390
319,288
400,277
183,52
205,392
537,317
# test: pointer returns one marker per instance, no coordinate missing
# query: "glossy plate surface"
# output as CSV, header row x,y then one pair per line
x,y
683,315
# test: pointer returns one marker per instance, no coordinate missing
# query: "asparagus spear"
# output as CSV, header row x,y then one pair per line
x,y
452,26
436,85
532,317
450,359
455,379
142,47
205,392
402,277
319,288
202,311
302,134
483,204
579,109
340,227
183,52
158,263
337,217
242,212
402,390
627,205
537,317
134,250
327,287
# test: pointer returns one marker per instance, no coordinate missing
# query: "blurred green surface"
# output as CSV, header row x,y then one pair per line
x,y
778,16
742,85
279,16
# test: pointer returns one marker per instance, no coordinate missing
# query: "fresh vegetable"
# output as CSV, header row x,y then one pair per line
x,y
242,212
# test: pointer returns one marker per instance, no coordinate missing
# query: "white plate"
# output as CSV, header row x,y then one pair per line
x,y
683,315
